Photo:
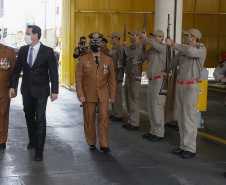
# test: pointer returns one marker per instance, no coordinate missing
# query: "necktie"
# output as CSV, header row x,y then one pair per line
x,y
31,57
97,62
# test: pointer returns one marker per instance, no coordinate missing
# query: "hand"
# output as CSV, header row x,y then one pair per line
x,y
120,66
112,100
163,73
143,35
223,79
53,97
12,93
169,42
82,99
137,63
124,43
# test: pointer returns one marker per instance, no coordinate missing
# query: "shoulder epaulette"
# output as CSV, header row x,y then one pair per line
x,y
10,48
200,45
107,54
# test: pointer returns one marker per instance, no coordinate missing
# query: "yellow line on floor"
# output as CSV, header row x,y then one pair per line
x,y
216,90
200,133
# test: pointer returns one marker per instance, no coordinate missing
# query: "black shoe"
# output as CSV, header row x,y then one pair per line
x,y
178,151
2,146
125,125
105,149
148,135
111,116
30,146
131,127
38,157
156,138
187,155
224,174
92,147
116,119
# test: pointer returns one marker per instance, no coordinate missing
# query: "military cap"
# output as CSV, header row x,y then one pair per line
x,y
115,34
135,31
95,37
105,40
157,33
194,32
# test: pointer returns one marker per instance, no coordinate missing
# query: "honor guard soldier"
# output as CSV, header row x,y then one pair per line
x,y
190,59
96,87
132,87
104,46
116,52
7,63
156,56
220,72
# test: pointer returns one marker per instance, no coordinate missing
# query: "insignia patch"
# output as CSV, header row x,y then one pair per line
x,y
4,63
95,35
88,65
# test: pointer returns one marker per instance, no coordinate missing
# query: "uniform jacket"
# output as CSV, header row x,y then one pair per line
x,y
156,56
95,83
5,74
35,80
131,52
190,60
220,72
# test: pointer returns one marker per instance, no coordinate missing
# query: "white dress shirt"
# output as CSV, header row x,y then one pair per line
x,y
35,52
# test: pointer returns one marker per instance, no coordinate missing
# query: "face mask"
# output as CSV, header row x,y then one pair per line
x,y
95,48
186,41
28,39
112,42
132,39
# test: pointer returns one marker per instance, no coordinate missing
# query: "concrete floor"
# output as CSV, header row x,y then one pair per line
x,y
133,160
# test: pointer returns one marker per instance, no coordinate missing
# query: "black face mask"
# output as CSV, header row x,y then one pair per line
x,y
95,48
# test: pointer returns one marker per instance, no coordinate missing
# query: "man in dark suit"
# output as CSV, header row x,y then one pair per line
x,y
38,63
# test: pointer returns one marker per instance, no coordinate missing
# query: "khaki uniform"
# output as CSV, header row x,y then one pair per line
x,y
7,63
116,53
220,72
156,56
190,61
132,87
105,50
97,85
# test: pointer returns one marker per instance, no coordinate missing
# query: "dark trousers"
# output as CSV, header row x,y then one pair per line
x,y
35,115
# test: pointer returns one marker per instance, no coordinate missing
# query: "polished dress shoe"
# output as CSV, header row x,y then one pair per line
x,y
156,138
131,127
92,147
148,135
2,146
38,157
178,151
111,116
125,125
105,149
30,146
187,155
116,119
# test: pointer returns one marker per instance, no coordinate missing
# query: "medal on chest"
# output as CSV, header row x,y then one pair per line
x,y
105,69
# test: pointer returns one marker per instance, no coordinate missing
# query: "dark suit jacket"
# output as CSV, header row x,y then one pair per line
x,y
35,80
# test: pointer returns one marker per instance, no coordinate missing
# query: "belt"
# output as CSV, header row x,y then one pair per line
x,y
116,70
188,82
131,75
155,77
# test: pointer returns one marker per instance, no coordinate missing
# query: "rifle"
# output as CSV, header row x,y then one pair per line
x,y
121,69
139,70
163,90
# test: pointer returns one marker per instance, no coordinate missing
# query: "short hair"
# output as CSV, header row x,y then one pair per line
x,y
35,29
82,38
104,40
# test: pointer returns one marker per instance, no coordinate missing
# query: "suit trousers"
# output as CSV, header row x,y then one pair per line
x,y
89,113
117,109
132,90
4,119
187,98
155,106
35,115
